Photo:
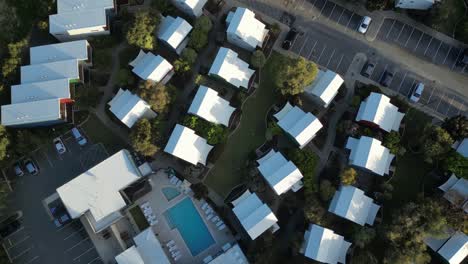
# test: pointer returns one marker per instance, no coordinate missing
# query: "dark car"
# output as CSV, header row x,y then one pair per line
x,y
386,79
18,170
368,69
31,167
290,38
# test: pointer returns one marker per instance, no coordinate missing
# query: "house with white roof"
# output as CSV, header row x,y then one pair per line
x,y
368,153
208,105
129,108
37,113
254,215
282,175
456,191
453,248
462,147
74,50
174,33
414,4
228,67
38,91
150,67
96,194
244,30
377,111
325,87
147,250
66,69
324,245
185,144
192,8
351,203
233,255
79,19
301,126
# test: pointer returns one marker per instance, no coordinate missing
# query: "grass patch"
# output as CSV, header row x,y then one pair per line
x,y
228,171
103,60
139,218
97,132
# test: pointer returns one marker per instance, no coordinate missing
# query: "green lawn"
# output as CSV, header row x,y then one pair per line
x,y
99,133
250,134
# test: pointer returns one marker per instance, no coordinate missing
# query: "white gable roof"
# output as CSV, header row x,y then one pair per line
x,y
31,112
280,173
233,255
300,125
325,86
82,5
174,30
70,21
77,50
209,106
255,216
97,190
37,91
129,108
196,6
369,153
150,67
455,249
463,148
456,192
147,250
232,69
378,110
50,71
186,145
351,203
322,244
246,27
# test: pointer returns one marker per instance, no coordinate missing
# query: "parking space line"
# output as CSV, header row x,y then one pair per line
x,y
74,233
333,9
77,244
339,63
419,41
84,253
406,43
428,46
329,59
312,50
400,32
294,42
48,159
338,21
450,105
321,10
307,37
385,69
402,80
437,50
447,54
321,54
31,260
21,253
459,53
428,100
64,226
440,100
97,258
347,25
19,242
463,69
411,87
388,33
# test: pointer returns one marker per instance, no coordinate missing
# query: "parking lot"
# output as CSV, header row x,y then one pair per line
x,y
39,239
421,44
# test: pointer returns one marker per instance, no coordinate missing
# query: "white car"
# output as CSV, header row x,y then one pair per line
x,y
59,146
364,24
416,92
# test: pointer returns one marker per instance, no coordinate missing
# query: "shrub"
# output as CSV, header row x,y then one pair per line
x,y
294,75
348,176
141,32
306,161
42,25
199,35
327,190
157,95
214,134
141,138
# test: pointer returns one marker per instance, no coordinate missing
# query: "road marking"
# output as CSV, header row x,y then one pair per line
x,y
437,50
97,258
31,260
64,226
312,50
385,69
400,32
73,233
419,41
48,159
338,21
412,84
84,253
339,63
77,244
19,242
347,25
307,37
428,100
463,70
321,54
388,33
292,46
447,55
456,59
402,80
406,43
321,10
332,11
428,46
450,105
21,253
440,100
329,59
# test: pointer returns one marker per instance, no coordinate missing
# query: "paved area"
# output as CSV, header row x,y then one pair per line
x,y
421,44
39,240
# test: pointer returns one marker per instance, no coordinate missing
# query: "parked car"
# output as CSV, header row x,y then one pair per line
x,y
365,22
416,92
18,170
31,167
368,69
78,137
290,38
386,79
59,146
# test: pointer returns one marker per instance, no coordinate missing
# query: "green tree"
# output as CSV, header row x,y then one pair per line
x,y
189,55
456,126
348,176
306,161
199,35
204,24
392,141
141,138
182,66
456,163
373,5
157,95
216,134
13,60
141,31
436,143
314,211
294,75
42,25
362,236
327,190
185,62
257,59
4,142
364,256
163,6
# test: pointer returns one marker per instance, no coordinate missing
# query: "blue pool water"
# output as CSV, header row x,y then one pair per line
x,y
170,193
185,217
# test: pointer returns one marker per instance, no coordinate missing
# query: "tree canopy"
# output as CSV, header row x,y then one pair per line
x,y
436,143
456,126
392,141
456,163
362,236
199,35
294,75
348,176
141,138
141,31
306,161
327,190
213,133
4,142
157,95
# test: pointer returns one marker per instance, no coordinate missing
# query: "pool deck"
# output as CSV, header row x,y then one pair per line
x,y
159,205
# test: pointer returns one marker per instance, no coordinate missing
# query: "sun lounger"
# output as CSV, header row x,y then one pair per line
x,y
207,259
222,227
216,218
177,257
178,183
204,205
209,216
208,211
219,223
170,243
226,246
173,179
174,253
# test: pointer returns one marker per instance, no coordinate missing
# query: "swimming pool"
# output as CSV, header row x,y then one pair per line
x,y
170,192
185,217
